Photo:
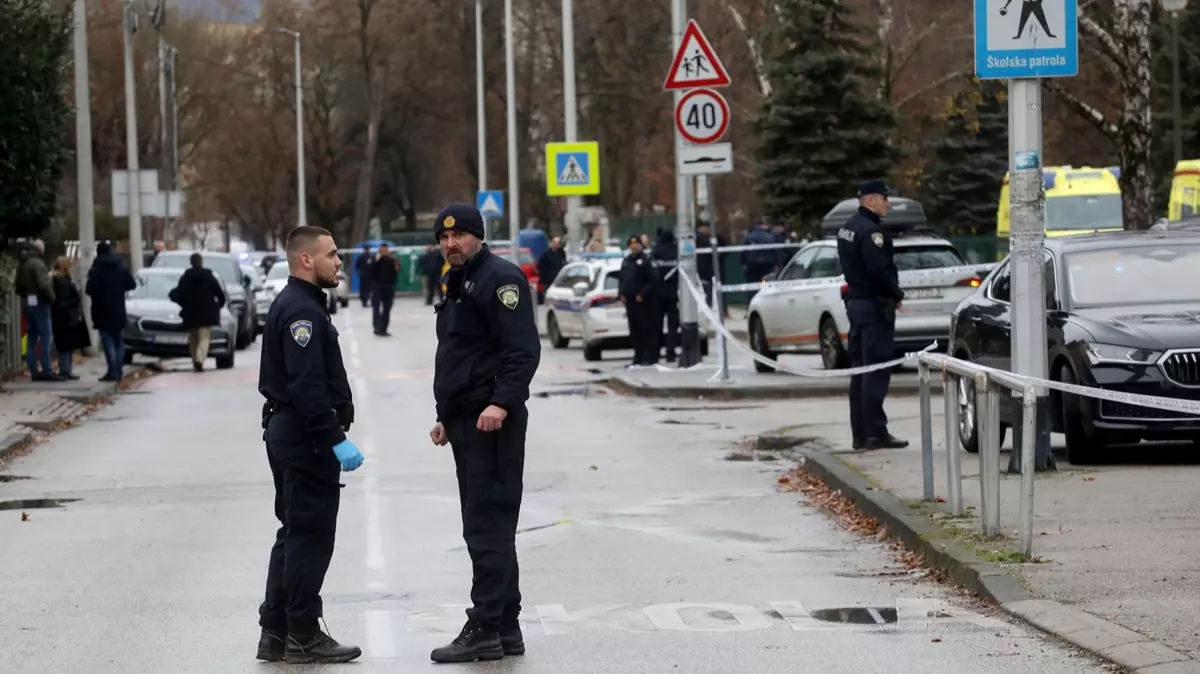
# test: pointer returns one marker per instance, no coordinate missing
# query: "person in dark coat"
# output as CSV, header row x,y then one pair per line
x,y
200,297
384,271
66,316
551,262
759,263
704,262
108,281
362,267
665,259
431,269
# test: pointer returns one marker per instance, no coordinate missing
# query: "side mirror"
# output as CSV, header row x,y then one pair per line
x,y
770,277
580,289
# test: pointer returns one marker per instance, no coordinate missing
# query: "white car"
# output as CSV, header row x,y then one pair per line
x,y
802,309
277,278
582,303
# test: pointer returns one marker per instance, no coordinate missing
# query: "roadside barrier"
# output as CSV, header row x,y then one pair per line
x,y
989,384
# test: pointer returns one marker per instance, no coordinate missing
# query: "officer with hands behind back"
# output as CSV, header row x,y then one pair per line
x,y
637,284
872,297
306,416
488,351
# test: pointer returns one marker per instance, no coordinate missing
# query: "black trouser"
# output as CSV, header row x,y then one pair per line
x,y
364,289
756,271
641,316
433,285
708,292
381,307
872,340
307,494
490,468
668,308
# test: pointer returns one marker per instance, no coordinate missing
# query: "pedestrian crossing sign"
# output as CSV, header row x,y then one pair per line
x,y
572,169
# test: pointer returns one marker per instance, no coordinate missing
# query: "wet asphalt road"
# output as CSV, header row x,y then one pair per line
x,y
642,548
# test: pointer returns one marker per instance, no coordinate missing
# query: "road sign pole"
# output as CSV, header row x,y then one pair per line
x,y
685,232
1027,200
131,145
514,180
571,132
480,101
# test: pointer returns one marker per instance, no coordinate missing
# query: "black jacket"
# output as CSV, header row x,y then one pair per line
x,y
759,258
200,298
549,264
384,273
865,252
665,258
108,281
704,261
488,344
431,264
66,316
301,367
637,277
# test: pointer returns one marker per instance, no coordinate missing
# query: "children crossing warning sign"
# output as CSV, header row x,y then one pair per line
x,y
572,169
696,64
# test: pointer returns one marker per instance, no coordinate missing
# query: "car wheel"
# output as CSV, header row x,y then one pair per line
x,y
968,417
833,352
554,334
225,362
758,342
593,353
1081,447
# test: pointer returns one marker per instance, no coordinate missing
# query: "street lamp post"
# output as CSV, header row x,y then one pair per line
x,y
480,105
301,200
131,143
514,180
1175,7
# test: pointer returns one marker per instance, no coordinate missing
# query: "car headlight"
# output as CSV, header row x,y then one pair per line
x,y
1110,353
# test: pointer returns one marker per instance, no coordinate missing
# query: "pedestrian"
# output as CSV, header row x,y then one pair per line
x,y
37,295
758,263
596,243
665,258
200,297
108,281
308,411
872,297
66,317
384,272
362,267
704,262
636,287
551,262
431,269
488,351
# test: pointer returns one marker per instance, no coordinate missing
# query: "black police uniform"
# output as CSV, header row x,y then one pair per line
x,y
309,408
665,256
384,273
637,279
488,351
865,252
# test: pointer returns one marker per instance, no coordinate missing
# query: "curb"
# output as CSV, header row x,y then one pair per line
x,y
826,388
1107,640
12,441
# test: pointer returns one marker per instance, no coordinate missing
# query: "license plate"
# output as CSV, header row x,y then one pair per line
x,y
923,294
169,339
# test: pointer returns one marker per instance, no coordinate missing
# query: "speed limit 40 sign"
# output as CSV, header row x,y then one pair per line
x,y
702,116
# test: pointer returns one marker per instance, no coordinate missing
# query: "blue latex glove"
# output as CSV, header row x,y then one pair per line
x,y
348,454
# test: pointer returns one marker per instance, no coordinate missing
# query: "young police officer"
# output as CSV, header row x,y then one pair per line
x,y
637,290
873,295
488,351
306,416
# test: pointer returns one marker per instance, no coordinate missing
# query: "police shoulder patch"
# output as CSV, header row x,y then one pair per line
x,y
301,332
509,295
877,238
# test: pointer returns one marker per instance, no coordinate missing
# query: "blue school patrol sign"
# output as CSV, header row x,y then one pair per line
x,y
1023,39
490,204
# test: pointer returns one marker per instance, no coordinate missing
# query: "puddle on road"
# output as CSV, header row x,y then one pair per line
x,y
574,391
35,503
705,408
12,478
680,422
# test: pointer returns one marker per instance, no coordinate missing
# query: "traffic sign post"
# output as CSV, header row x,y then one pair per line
x,y
1034,39
702,116
572,169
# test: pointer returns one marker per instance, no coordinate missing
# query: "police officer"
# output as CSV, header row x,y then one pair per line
x,y
873,294
306,416
665,256
488,351
636,286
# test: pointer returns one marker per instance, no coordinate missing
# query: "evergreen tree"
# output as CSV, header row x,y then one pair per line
x,y
970,159
35,43
822,130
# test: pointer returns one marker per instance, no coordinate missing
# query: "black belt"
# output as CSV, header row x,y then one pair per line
x,y
344,413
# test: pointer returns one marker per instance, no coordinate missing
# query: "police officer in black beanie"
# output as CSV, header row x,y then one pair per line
x,y
488,351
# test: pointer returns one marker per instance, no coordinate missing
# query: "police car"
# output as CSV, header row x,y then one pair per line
x,y
582,304
801,309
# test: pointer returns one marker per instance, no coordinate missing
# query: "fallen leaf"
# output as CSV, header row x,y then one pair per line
x,y
936,640
593,467
25,517
1090,478
940,500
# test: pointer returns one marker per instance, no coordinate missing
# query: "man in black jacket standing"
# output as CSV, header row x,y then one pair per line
x,y
431,269
704,261
108,281
200,298
362,266
551,262
665,257
637,288
488,351
384,272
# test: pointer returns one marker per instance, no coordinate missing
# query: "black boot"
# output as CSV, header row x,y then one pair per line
x,y
475,642
888,441
511,638
271,645
318,647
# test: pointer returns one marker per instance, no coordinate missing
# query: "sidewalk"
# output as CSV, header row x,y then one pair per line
x,y
28,406
1116,542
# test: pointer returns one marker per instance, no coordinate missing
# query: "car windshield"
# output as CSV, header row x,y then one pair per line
x,y
612,281
1084,211
1135,275
277,272
225,267
909,258
154,286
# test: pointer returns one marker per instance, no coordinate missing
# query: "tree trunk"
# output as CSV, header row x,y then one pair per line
x,y
1135,131
364,196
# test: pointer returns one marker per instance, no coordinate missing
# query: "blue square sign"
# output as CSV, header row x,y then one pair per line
x,y
490,204
1023,39
572,168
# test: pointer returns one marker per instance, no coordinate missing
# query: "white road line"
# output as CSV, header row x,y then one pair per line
x,y
381,643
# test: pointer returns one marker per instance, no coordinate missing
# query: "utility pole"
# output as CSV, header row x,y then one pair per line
x,y
131,143
514,180
480,107
685,232
570,115
301,179
85,202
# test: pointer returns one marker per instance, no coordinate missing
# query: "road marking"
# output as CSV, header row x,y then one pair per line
x,y
744,618
376,562
381,641
556,620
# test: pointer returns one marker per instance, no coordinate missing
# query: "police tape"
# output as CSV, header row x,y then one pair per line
x,y
1136,399
978,269
698,296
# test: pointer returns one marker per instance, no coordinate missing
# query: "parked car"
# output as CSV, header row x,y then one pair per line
x,y
583,304
801,309
237,286
1123,314
277,278
154,327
